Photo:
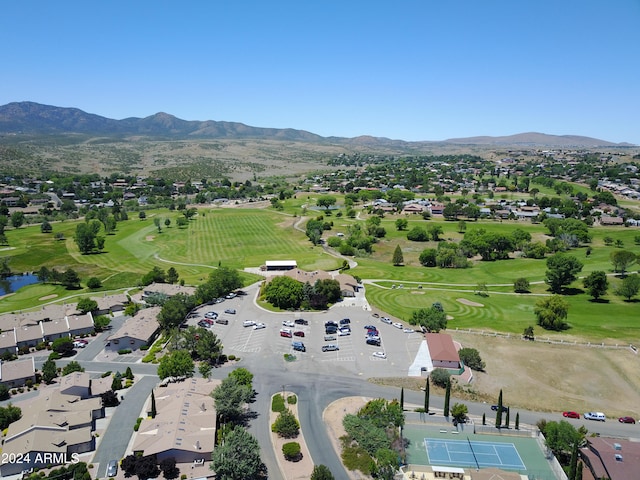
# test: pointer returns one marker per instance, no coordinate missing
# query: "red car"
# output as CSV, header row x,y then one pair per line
x,y
285,332
299,333
571,414
626,420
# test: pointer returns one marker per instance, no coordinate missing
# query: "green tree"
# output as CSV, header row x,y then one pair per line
x,y
573,463
552,312
237,457
596,284
169,469
49,371
471,358
561,437
62,346
447,397
398,258
517,426
243,376
72,367
175,364
321,472
229,398
154,410
116,383
417,234
528,333
401,224
440,377
46,227
622,260
431,318
101,322
284,292
292,451
17,219
172,275
426,396
459,412
428,257
435,231
326,202
86,305
5,394
204,369
208,346
174,311
521,285
499,411
85,238
94,283
629,287
70,279
562,269
286,425
8,415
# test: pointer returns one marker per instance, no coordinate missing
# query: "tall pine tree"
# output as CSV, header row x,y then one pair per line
x,y
447,397
426,396
398,258
499,411
154,412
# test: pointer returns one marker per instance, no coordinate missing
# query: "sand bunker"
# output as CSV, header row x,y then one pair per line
x,y
464,301
48,297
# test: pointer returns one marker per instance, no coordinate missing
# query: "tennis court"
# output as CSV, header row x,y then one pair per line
x,y
473,453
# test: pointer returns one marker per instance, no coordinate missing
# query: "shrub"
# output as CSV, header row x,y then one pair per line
x,y
277,403
106,374
292,399
124,351
440,377
137,425
286,425
144,348
231,358
291,451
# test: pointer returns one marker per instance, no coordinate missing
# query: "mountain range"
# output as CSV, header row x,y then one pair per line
x,y
30,118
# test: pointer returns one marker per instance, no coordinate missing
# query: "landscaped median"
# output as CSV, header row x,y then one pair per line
x,y
294,463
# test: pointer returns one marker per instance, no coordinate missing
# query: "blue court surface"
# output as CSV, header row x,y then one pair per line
x,y
473,454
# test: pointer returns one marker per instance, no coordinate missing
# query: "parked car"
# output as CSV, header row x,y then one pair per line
x,y
299,346
398,325
495,408
331,330
222,321
408,330
597,416
330,323
345,321
229,296
248,323
298,333
112,468
376,315
571,414
344,332
79,344
286,332
259,326
627,420
330,348
373,341
379,355
204,324
370,327
212,315
301,321
231,311
329,338
208,321
386,320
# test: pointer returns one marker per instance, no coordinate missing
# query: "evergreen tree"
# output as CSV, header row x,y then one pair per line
x,y
49,371
499,411
398,258
506,420
447,396
573,463
154,412
579,471
426,396
484,419
518,421
402,399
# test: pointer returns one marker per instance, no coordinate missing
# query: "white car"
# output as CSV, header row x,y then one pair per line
x,y
212,315
344,332
248,323
398,325
408,330
259,326
79,344
386,320
379,355
288,323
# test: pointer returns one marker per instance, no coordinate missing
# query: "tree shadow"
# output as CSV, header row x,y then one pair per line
x,y
572,291
599,300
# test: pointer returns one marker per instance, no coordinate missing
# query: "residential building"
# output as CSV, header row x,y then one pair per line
x,y
136,331
15,374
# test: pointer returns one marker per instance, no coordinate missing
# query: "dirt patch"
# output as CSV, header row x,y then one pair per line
x,y
48,297
543,377
150,238
464,301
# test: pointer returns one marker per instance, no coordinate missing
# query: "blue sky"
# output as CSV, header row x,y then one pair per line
x,y
411,70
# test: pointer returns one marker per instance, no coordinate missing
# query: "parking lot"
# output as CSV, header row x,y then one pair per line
x,y
240,337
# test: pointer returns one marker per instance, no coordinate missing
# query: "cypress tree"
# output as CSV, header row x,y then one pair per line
x,y
518,421
447,396
573,463
153,405
484,419
579,471
398,258
506,420
426,397
402,399
499,411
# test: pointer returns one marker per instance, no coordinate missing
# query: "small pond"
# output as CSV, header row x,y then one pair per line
x,y
15,282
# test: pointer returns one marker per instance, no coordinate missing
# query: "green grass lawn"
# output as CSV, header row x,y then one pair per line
x,y
238,238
